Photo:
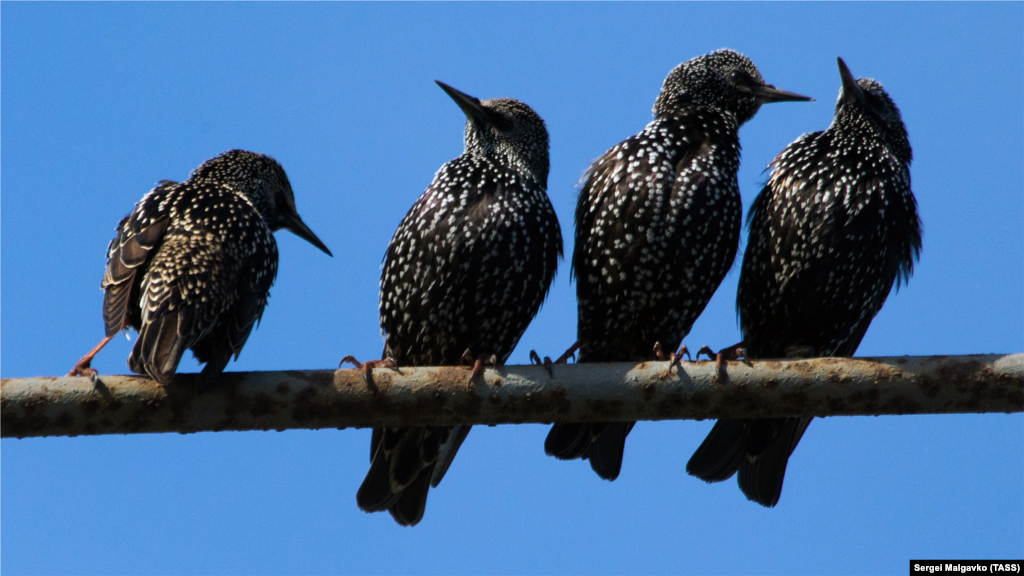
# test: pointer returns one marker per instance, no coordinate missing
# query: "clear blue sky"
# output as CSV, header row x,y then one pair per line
x,y
100,101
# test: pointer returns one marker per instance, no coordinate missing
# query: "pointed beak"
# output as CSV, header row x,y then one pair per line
x,y
767,94
295,224
470,106
852,91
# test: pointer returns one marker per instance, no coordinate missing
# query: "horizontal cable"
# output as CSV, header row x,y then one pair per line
x,y
309,399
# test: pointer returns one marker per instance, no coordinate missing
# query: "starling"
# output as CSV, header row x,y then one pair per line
x,y
657,228
464,274
833,229
192,265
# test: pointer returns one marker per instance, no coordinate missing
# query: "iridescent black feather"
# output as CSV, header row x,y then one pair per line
x,y
657,228
832,231
467,269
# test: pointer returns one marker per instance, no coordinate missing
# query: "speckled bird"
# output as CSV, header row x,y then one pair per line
x,y
834,228
657,227
464,274
191,267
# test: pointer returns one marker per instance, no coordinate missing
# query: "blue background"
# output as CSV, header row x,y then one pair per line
x,y
100,101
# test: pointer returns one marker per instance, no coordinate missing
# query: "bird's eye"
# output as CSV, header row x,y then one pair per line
x,y
741,80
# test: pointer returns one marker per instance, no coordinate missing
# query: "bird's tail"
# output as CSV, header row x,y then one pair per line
x,y
758,449
603,444
158,349
448,451
403,462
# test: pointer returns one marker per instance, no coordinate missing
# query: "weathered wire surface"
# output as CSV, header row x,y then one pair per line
x,y
310,399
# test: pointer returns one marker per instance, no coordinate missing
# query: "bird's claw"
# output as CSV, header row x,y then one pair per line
x,y
479,363
546,363
707,351
684,350
658,352
81,369
734,352
570,353
351,360
563,359
368,366
84,365
674,358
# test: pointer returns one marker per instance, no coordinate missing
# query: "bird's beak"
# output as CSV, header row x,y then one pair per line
x,y
470,106
298,227
852,92
767,94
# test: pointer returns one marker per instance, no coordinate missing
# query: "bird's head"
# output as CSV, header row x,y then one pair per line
x,y
724,80
507,128
261,180
864,102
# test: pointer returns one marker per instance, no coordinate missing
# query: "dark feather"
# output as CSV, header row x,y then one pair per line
x,y
467,269
606,449
375,493
721,453
832,231
567,441
648,256
192,265
448,451
408,510
158,349
761,477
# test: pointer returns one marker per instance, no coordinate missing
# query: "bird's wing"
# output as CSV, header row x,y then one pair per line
x,y
467,269
139,235
205,287
647,256
818,243
255,277
615,232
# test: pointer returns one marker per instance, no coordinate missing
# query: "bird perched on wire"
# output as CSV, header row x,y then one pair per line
x,y
830,233
657,228
464,274
192,265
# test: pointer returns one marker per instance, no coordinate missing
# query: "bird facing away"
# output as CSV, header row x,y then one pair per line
x,y
833,229
192,265
657,227
464,274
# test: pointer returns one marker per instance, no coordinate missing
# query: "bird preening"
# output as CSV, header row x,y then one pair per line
x,y
657,227
192,265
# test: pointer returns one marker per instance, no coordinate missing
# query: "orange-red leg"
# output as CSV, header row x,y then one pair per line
x,y
368,366
83,366
674,358
734,352
479,363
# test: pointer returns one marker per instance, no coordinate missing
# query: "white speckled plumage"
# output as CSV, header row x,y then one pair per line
x,y
467,269
192,265
834,228
657,228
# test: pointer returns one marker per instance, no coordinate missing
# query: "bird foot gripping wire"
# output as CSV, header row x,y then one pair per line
x,y
547,363
674,358
478,364
84,365
734,352
368,366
